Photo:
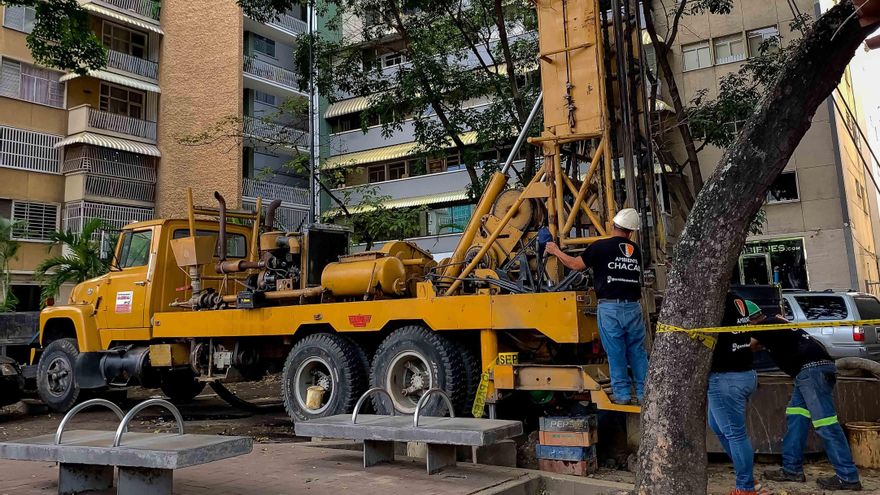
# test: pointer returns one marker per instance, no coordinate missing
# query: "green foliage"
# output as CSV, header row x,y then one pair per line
x,y
62,37
372,221
81,259
437,86
719,7
757,225
8,252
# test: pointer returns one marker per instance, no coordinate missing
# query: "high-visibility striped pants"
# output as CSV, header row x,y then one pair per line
x,y
812,404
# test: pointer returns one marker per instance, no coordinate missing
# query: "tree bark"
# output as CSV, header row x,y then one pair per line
x,y
672,456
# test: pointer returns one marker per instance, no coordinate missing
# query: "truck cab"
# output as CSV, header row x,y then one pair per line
x,y
115,310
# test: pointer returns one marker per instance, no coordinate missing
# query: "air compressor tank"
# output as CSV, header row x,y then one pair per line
x,y
361,277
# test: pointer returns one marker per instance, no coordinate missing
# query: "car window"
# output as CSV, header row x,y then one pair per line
x,y
236,244
823,307
869,307
135,249
787,311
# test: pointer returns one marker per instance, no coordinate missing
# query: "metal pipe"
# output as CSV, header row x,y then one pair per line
x,y
269,221
222,210
236,266
522,134
191,214
285,294
255,233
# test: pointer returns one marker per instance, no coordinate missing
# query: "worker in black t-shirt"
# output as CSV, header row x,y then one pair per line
x,y
617,271
731,382
814,373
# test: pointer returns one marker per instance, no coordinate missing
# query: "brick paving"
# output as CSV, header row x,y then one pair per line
x,y
276,469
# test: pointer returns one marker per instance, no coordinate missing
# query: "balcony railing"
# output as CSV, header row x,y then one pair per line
x,y
275,133
253,188
132,64
122,124
109,168
290,24
272,73
111,187
146,8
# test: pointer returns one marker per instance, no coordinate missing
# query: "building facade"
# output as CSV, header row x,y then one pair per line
x,y
108,145
818,233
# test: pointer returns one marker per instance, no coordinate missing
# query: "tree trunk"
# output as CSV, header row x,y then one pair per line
x,y
672,457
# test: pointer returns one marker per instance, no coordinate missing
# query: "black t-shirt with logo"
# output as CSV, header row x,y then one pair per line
x,y
617,268
792,349
733,350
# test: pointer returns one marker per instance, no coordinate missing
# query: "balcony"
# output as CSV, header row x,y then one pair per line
x,y
289,23
271,74
273,133
97,166
85,118
119,189
144,8
133,65
269,191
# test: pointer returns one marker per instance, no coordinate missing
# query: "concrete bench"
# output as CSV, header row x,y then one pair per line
x,y
145,461
441,435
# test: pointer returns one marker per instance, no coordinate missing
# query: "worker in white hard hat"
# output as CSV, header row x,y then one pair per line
x,y
617,273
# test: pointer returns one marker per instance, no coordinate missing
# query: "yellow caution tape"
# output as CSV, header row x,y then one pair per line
x,y
665,328
479,406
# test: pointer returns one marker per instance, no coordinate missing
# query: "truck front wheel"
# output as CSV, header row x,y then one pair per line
x,y
330,361
56,383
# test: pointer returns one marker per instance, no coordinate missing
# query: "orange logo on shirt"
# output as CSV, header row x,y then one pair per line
x,y
740,306
627,249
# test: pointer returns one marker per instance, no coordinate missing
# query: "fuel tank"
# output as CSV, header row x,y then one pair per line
x,y
385,275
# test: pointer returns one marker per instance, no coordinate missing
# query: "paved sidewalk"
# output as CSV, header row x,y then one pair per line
x,y
293,468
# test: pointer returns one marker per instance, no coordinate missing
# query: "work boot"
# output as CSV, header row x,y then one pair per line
x,y
835,483
783,475
621,402
737,491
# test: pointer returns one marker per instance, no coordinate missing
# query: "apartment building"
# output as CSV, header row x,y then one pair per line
x,y
819,232
108,144
393,167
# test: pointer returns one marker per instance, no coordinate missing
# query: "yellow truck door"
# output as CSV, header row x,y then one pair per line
x,y
128,288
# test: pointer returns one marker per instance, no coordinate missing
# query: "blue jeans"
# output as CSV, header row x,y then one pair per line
x,y
622,331
728,397
813,403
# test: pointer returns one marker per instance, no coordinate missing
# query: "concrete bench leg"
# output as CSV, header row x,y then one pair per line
x,y
376,451
440,456
79,478
145,481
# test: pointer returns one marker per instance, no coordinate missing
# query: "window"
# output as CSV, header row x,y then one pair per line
x,y
264,45
787,311
784,189
29,150
853,128
449,220
436,165
31,83
757,37
236,244
120,39
729,49
35,221
122,101
392,59
135,250
19,18
376,173
869,307
453,162
696,56
397,170
823,307
265,98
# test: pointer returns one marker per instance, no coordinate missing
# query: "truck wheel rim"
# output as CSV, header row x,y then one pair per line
x,y
408,378
314,371
59,375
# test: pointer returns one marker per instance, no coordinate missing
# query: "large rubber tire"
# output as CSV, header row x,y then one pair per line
x,y
56,383
418,358
339,362
181,386
472,373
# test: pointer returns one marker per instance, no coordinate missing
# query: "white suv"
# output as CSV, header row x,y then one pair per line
x,y
839,341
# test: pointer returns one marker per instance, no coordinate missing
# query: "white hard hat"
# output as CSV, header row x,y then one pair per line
x,y
628,218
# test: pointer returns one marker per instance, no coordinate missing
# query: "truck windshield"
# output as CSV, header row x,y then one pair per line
x,y
236,244
135,249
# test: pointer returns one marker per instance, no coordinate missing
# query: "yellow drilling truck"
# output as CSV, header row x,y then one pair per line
x,y
205,299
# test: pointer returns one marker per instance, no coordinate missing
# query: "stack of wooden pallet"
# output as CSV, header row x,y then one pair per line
x,y
567,445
